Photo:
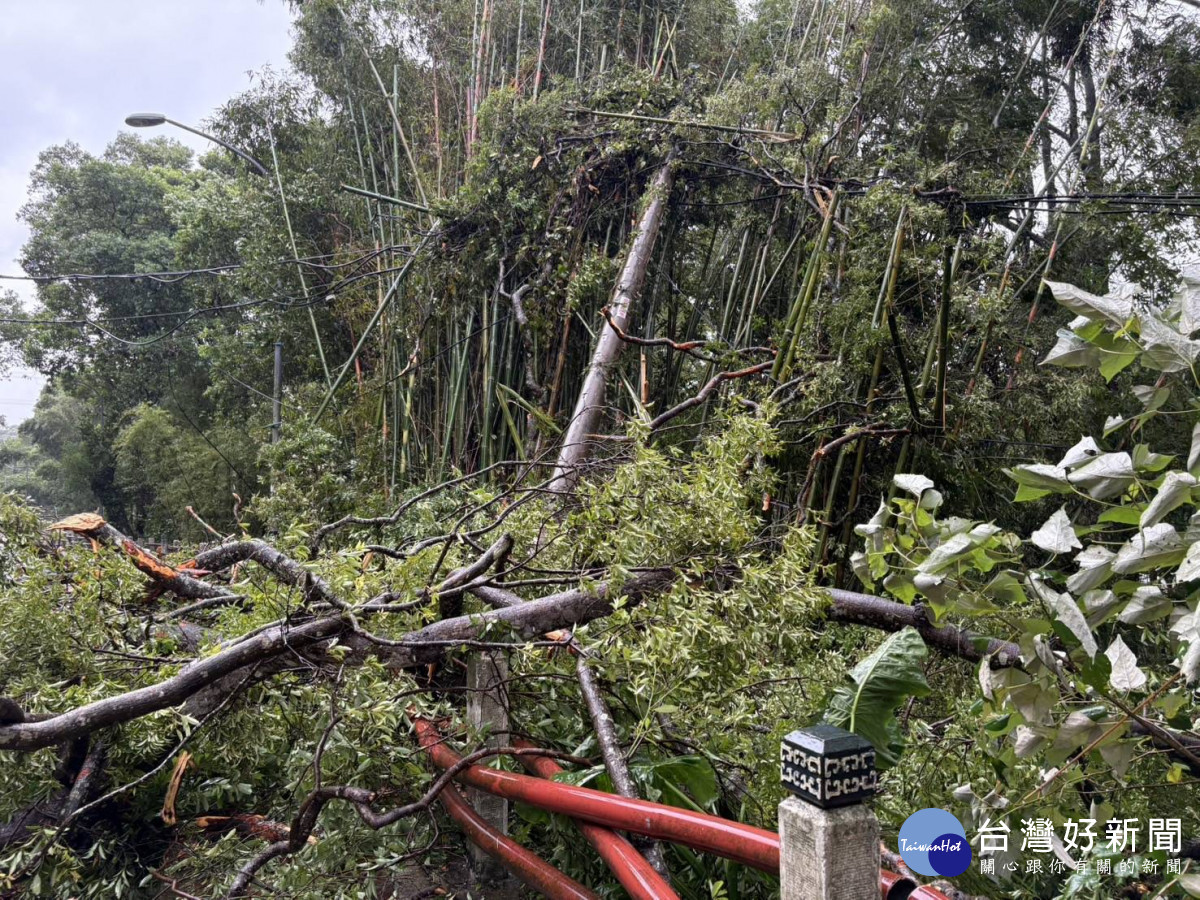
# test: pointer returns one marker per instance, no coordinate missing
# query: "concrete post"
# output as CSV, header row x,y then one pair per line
x,y
487,710
829,841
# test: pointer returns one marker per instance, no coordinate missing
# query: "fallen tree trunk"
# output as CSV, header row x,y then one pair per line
x,y
584,420
530,619
614,758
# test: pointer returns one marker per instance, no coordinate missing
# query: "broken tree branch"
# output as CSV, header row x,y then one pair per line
x,y
576,442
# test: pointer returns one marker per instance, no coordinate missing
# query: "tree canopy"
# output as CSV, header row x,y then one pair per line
x,y
695,357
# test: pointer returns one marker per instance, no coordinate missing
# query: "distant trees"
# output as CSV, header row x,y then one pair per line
x,y
859,209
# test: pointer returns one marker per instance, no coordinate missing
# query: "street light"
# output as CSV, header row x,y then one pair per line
x,y
151,120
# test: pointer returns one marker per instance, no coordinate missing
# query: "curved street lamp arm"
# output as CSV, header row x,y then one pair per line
x,y
258,167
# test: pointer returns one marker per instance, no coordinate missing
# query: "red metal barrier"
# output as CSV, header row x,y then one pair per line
x,y
732,840
895,887
635,874
746,844
530,868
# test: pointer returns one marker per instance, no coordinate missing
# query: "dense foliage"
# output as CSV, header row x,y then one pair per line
x,y
878,218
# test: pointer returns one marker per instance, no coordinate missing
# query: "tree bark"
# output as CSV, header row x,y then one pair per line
x,y
614,759
575,446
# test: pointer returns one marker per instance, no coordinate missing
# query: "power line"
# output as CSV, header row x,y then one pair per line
x,y
171,277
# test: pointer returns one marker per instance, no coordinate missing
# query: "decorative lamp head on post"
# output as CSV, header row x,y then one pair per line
x,y
827,766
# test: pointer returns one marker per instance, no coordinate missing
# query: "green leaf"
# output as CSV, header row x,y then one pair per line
x,y
1145,461
1037,480
1116,354
1105,476
1067,612
1175,490
1151,398
1123,515
914,484
1158,545
1056,534
1126,676
1072,352
1165,348
1115,308
1005,588
877,687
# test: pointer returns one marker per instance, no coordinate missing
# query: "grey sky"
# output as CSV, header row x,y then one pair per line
x,y
73,69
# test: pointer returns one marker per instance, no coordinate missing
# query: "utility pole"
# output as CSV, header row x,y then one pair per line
x,y
277,396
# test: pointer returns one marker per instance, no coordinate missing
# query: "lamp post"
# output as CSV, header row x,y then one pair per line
x,y
152,120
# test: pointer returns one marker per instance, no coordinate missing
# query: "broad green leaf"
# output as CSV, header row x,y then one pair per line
x,y
1068,613
1083,451
1115,308
1126,676
877,687
1151,398
1146,605
1105,476
946,552
1175,490
1038,479
914,484
934,587
1158,545
1118,755
901,587
1115,354
1146,461
1189,569
1193,463
1034,701
1056,534
1095,566
1164,348
1125,515
1073,352
1005,588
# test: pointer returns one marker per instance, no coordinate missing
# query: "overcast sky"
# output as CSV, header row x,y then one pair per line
x,y
73,69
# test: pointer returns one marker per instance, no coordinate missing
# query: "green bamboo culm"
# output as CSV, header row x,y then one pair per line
x,y
795,319
943,339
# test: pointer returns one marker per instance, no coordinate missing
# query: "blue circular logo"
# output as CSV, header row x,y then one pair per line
x,y
934,843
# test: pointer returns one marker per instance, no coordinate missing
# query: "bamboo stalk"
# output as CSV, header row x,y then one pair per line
x,y
791,334
939,399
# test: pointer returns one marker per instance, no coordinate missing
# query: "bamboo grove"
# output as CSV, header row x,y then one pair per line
x,y
628,317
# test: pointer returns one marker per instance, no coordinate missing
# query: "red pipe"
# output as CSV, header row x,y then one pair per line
x,y
895,887
635,874
732,840
746,844
530,868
